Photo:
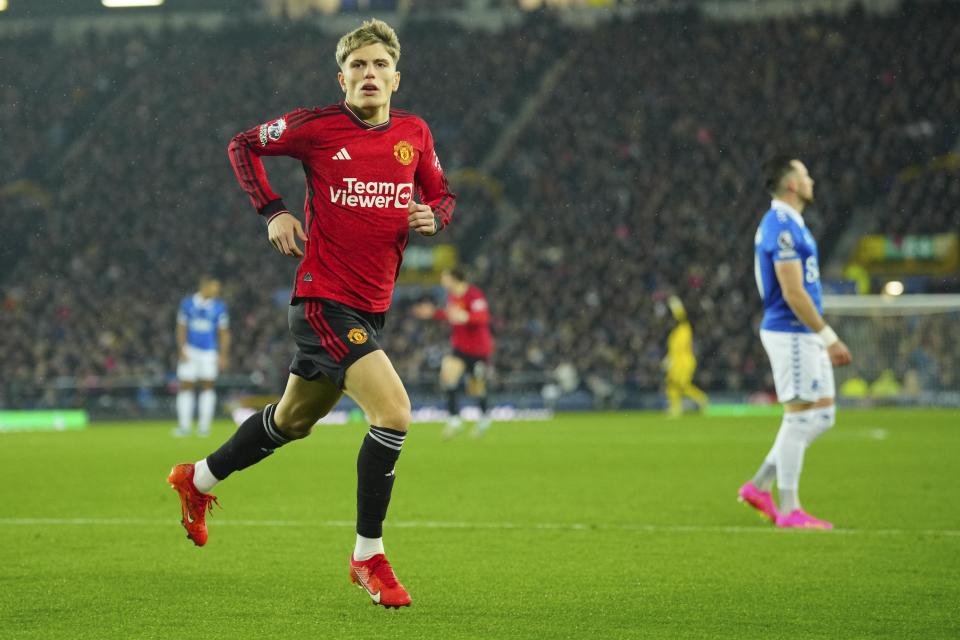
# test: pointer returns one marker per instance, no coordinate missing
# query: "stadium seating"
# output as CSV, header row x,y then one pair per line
x,y
637,179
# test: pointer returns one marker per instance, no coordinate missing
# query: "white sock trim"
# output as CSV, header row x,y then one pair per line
x,y
366,548
203,478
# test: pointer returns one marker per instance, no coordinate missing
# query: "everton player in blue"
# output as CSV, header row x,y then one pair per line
x,y
203,345
801,346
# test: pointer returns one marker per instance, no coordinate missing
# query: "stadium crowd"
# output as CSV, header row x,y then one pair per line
x,y
638,178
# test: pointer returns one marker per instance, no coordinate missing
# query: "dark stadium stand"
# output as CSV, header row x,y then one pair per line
x,y
638,178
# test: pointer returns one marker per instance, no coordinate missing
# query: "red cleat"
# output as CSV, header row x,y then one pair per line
x,y
377,578
193,503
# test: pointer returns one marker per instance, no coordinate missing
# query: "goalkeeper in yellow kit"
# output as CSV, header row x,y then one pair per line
x,y
680,363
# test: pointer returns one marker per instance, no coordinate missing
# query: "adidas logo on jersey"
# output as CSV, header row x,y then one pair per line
x,y
342,155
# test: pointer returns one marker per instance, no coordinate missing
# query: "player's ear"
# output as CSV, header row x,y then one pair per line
x,y
396,81
342,80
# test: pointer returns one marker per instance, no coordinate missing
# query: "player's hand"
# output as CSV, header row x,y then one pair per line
x,y
421,219
424,310
283,232
839,354
456,315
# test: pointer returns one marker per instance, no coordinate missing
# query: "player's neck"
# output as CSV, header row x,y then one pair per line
x,y
461,289
371,115
793,200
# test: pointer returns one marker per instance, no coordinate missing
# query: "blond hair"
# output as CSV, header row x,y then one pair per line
x,y
370,32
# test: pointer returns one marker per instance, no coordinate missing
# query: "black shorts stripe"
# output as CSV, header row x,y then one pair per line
x,y
314,315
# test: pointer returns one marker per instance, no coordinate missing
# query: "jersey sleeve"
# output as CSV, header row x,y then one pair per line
x,y
291,135
478,309
780,240
432,185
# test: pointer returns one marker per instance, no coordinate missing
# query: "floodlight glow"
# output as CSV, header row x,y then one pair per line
x,y
893,288
3,5
123,4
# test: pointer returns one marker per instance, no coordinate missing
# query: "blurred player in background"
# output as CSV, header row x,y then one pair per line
x,y
364,162
680,363
468,314
801,346
203,347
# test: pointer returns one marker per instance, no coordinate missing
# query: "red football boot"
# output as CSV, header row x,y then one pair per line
x,y
376,576
193,503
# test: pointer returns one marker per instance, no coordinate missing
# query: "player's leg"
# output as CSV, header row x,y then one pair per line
x,y
801,423
375,385
674,392
207,398
825,407
186,380
694,392
757,491
477,388
303,403
452,368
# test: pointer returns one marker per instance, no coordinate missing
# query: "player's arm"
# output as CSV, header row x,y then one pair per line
x,y
181,335
790,276
224,343
286,136
437,202
223,340
478,311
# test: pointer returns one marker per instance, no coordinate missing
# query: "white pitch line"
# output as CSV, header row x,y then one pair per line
x,y
435,524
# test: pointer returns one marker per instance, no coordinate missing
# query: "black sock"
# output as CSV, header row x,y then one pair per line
x,y
375,464
483,404
452,402
253,441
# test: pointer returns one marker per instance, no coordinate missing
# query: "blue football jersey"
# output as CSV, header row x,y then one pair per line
x,y
203,319
783,236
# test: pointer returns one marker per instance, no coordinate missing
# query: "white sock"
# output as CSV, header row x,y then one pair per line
x,y
825,418
203,479
185,409
795,431
767,473
366,548
208,403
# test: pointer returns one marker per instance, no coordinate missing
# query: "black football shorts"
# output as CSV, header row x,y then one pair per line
x,y
477,367
330,337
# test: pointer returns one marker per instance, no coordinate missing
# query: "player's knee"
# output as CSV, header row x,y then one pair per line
x,y
826,418
397,416
295,422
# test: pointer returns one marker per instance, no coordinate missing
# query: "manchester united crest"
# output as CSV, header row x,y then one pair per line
x,y
357,335
403,152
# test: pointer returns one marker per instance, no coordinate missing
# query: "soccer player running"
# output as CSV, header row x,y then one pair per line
x,y
203,345
801,346
681,363
364,162
468,314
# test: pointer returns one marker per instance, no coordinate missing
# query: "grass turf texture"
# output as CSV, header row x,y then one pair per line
x,y
587,526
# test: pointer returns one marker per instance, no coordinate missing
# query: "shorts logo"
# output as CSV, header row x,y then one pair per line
x,y
357,335
403,152
272,131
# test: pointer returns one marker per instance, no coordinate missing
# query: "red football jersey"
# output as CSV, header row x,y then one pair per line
x,y
360,179
472,337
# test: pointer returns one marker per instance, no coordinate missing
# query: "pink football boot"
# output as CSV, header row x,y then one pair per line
x,y
800,519
762,501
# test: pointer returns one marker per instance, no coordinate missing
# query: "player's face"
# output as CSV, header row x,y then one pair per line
x,y
447,281
210,289
803,183
369,77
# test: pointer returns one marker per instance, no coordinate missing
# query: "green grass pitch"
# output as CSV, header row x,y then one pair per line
x,y
587,526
